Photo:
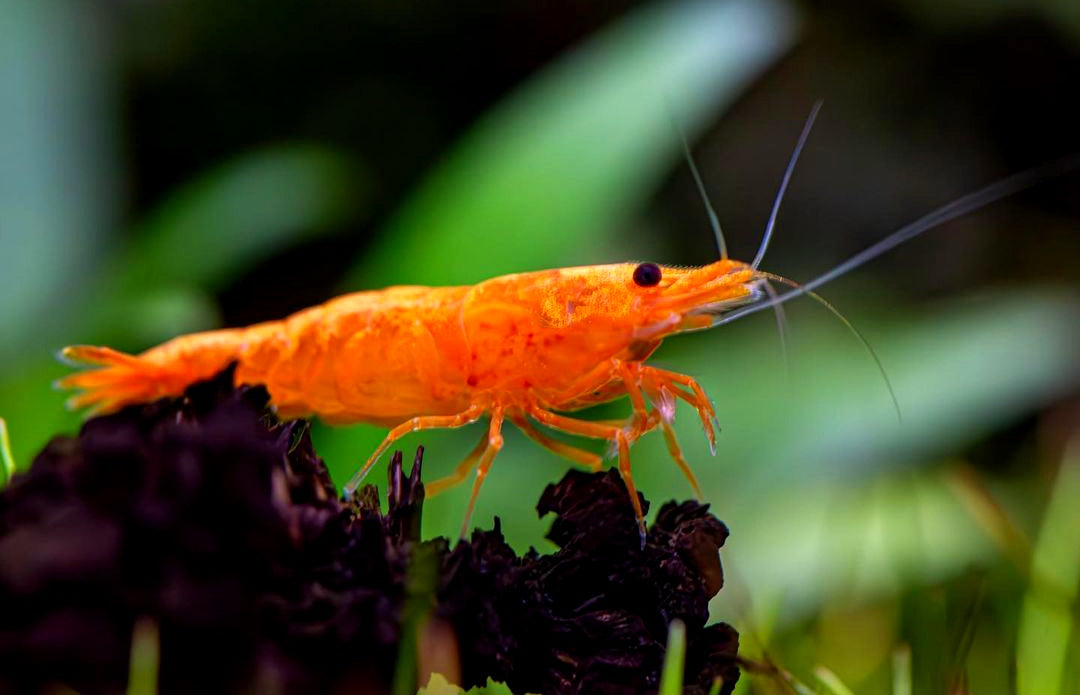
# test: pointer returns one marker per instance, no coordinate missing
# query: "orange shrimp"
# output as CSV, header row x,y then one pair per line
x,y
526,348
518,347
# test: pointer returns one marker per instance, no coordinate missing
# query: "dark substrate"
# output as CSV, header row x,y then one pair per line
x,y
208,516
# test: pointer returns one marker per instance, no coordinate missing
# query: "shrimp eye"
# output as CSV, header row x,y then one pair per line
x,y
647,275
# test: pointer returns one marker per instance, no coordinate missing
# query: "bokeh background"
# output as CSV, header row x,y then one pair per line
x,y
168,166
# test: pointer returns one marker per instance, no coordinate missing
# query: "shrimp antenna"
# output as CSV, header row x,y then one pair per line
x,y
714,220
781,327
1004,188
767,236
850,326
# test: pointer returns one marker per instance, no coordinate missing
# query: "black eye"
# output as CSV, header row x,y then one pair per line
x,y
647,275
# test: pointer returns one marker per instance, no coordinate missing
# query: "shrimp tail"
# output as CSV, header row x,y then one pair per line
x,y
122,379
166,370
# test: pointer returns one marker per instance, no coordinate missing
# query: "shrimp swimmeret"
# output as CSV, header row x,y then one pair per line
x,y
525,348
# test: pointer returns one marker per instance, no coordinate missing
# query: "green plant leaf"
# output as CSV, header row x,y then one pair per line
x,y
7,460
239,213
59,178
438,685
671,677
212,229
1047,615
145,658
831,682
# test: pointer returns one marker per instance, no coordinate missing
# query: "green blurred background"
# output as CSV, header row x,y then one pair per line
x,y
171,166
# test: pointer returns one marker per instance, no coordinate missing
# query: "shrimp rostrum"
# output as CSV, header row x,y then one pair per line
x,y
526,348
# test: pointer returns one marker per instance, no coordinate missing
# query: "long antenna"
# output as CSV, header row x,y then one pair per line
x,y
1004,188
851,327
781,327
767,236
714,221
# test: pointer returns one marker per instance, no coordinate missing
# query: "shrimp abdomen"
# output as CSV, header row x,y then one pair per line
x,y
379,357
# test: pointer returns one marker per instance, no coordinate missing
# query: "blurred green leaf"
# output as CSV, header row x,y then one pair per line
x,y
145,658
808,545
240,213
547,176
7,460
35,411
150,317
58,173
1064,14
1049,608
671,677
901,670
831,681
438,685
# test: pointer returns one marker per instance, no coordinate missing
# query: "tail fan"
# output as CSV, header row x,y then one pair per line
x,y
122,379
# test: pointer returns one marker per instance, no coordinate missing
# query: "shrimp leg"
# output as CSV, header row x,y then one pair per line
x,y
630,373
586,458
426,422
494,444
664,413
656,379
441,485
635,377
599,431
484,451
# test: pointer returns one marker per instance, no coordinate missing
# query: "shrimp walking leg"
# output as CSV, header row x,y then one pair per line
x,y
426,422
594,462
441,485
655,379
630,372
596,430
676,453
494,445
664,415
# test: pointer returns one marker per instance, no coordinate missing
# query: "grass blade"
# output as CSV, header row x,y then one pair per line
x,y
145,658
671,678
1046,614
7,461
902,670
239,213
831,681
